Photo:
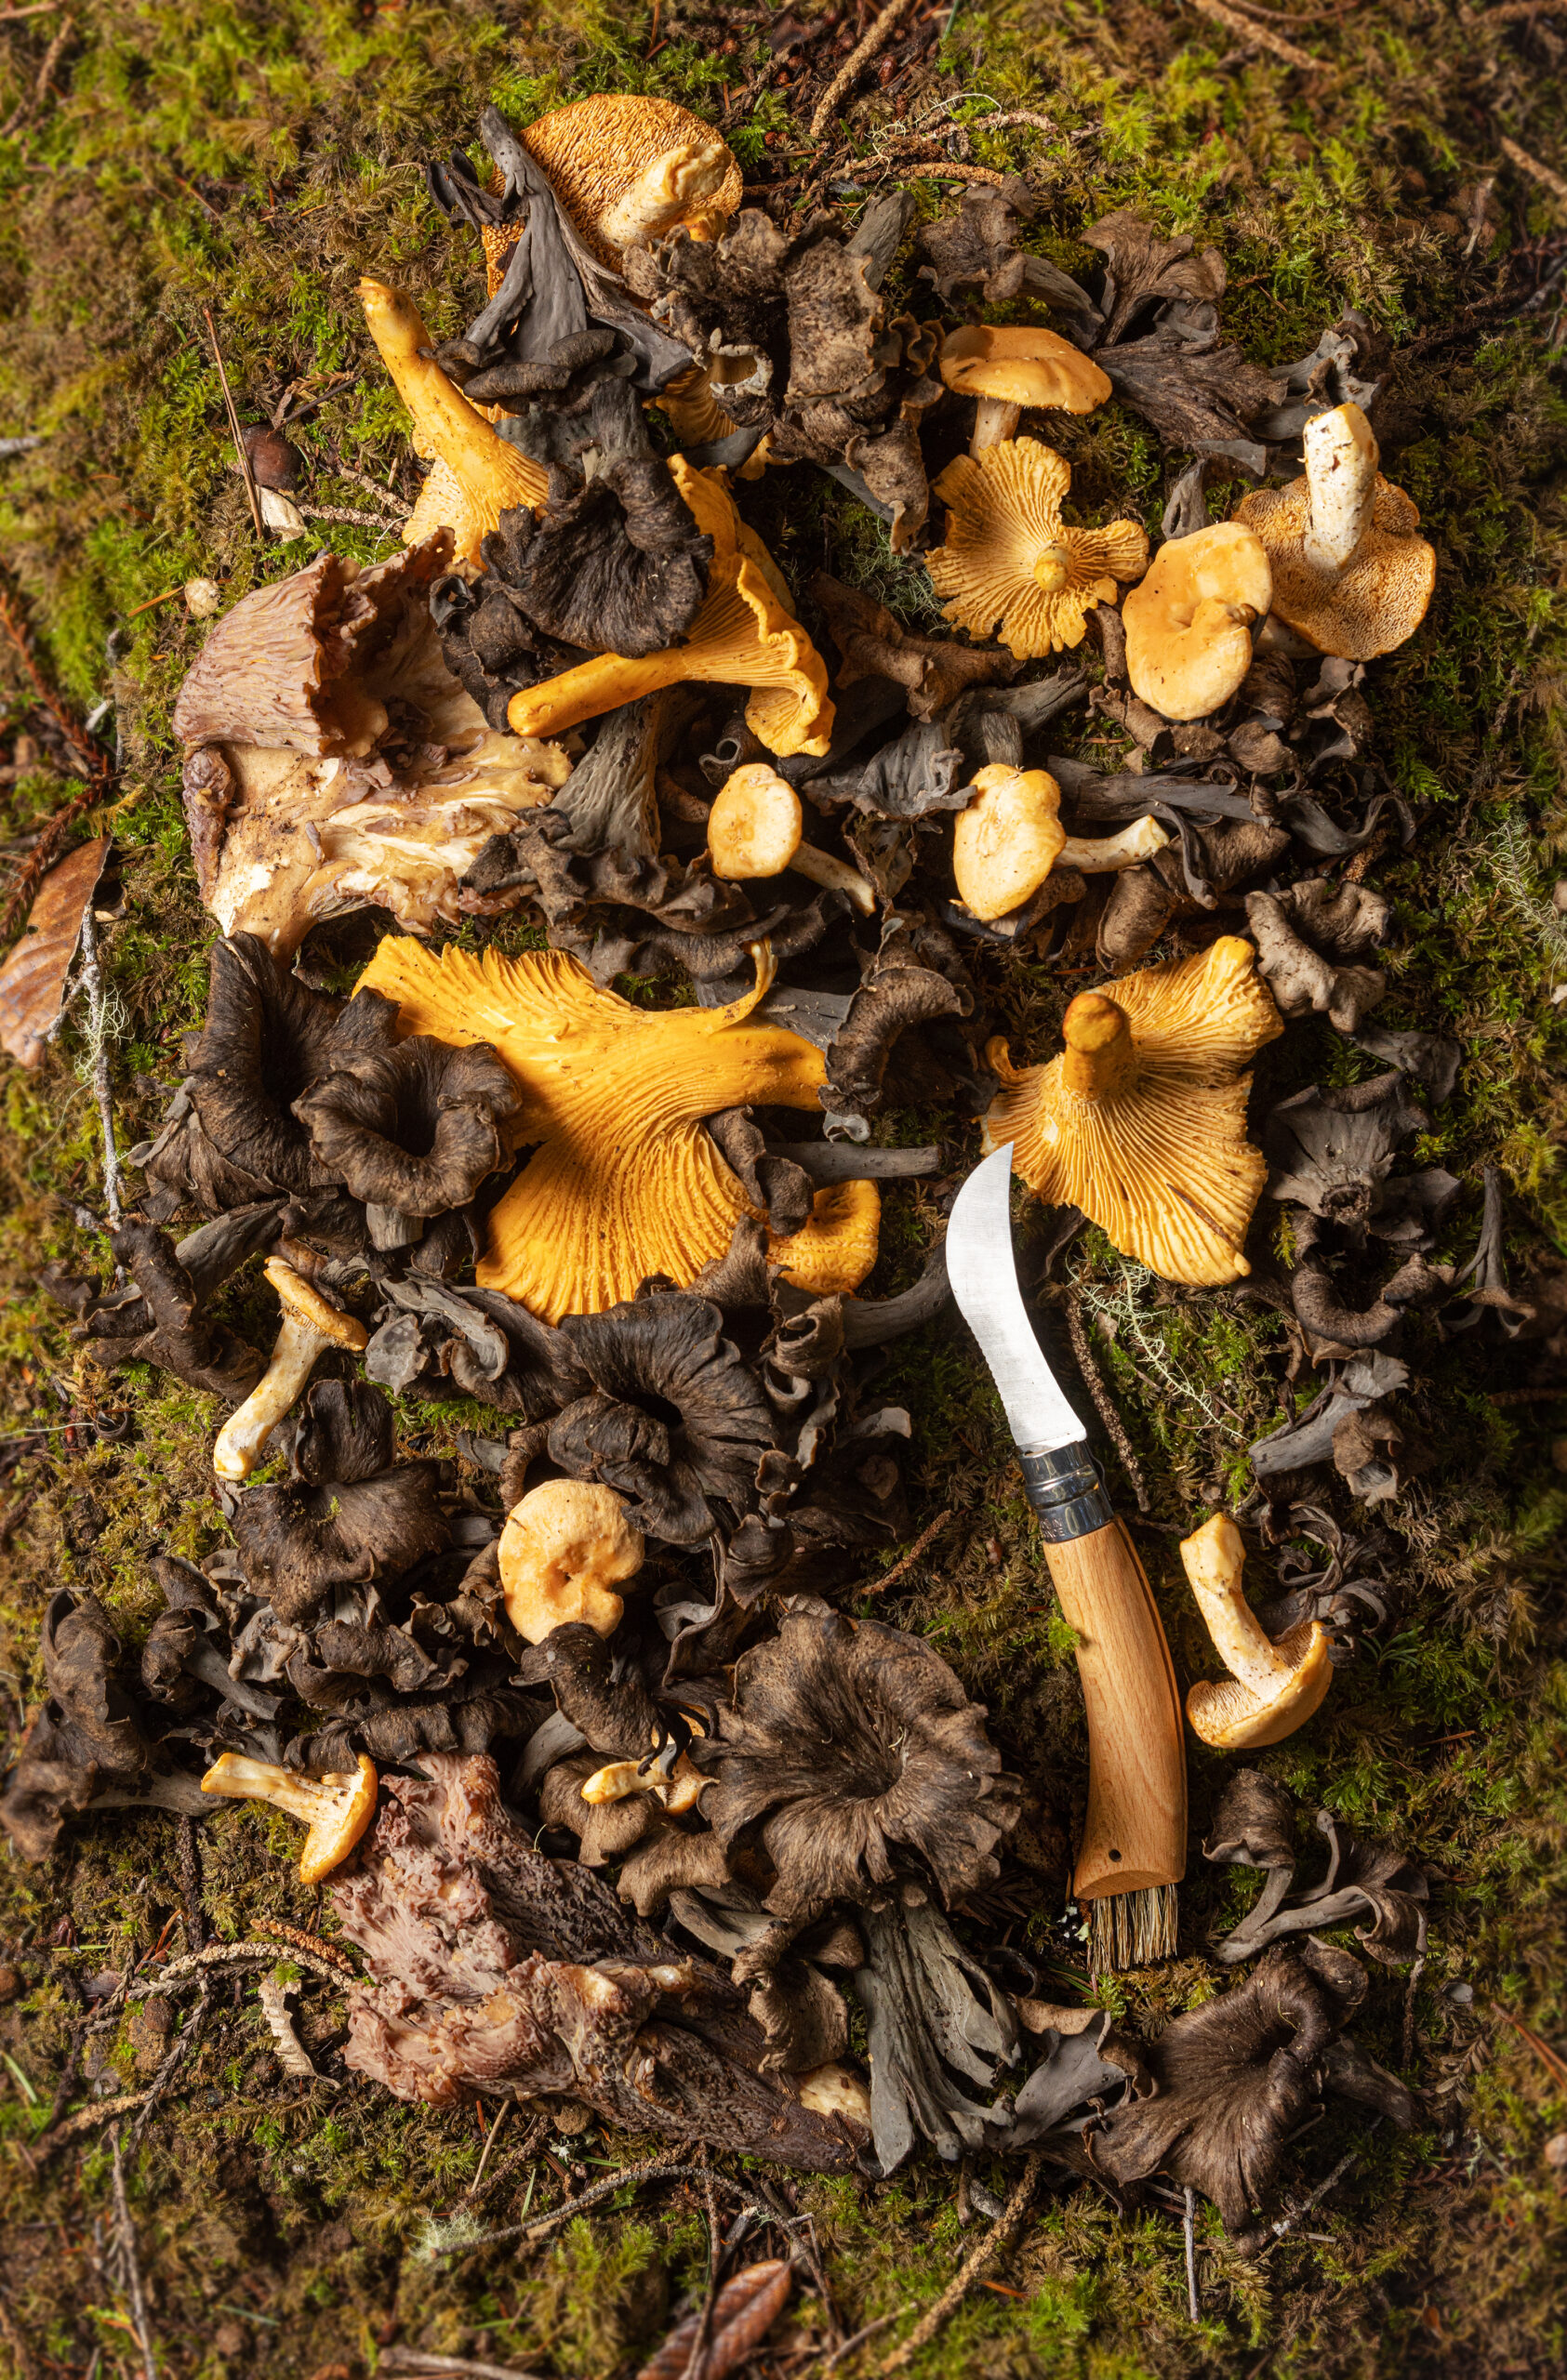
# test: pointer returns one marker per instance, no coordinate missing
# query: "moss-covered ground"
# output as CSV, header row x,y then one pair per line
x,y
254,156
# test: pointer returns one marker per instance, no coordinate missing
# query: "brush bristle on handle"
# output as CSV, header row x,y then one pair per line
x,y
1134,1837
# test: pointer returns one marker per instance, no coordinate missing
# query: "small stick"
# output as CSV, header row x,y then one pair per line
x,y
133,2269
883,2322
1542,2050
875,1586
41,8
247,474
630,2178
1189,2230
416,2360
973,2269
92,976
357,519
167,2070
1288,2222
697,2361
1259,35
490,2138
1537,172
883,28
314,1944
1115,1428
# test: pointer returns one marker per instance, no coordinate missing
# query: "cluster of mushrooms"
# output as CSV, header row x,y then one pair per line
x,y
611,1793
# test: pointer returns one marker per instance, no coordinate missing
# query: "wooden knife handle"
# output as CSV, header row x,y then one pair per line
x,y
1135,1832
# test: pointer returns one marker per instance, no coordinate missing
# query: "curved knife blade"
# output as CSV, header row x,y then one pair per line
x,y
983,1272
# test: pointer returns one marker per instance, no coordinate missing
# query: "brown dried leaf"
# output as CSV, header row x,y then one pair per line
x,y
746,2310
32,979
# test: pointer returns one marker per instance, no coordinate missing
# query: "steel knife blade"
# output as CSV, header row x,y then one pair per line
x,y
983,1272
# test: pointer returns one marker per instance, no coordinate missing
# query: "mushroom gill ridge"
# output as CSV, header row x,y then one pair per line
x,y
626,1181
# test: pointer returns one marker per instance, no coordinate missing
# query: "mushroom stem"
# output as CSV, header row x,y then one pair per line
x,y
1053,568
1341,460
1100,1054
995,420
240,1440
1214,1557
837,875
1273,1687
311,1324
681,1791
1105,854
337,1807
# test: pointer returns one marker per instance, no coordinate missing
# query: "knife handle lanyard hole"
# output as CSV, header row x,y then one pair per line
x,y
1066,1492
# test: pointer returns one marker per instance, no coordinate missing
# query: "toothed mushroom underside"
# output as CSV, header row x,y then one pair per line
x,y
628,169
1147,1132
332,763
626,1183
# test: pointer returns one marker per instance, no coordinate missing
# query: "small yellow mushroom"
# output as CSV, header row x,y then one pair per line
x,y
1010,557
754,828
337,1807
1141,1121
1189,624
1005,370
1274,1684
837,1245
477,476
311,1324
744,634
563,1551
680,1791
1009,837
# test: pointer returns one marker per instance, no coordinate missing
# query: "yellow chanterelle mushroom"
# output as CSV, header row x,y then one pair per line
x,y
1009,556
1274,1684
624,1182
1142,1120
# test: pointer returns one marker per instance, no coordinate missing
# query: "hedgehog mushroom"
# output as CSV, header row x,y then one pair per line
x,y
1010,557
744,634
311,1324
477,475
336,1809
1008,369
1142,1120
1009,837
754,828
1349,573
1274,1684
563,1551
625,1181
626,169
1189,624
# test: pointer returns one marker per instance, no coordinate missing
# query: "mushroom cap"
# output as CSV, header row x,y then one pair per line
x,y
838,1243
1233,1718
597,152
1023,367
1004,524
1375,601
303,1303
625,1182
1155,1151
744,634
341,1822
1007,841
755,823
562,1550
1188,623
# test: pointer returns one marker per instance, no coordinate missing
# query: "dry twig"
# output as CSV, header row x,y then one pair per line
x,y
875,1586
1259,35
882,29
868,2331
246,473
1115,1428
656,2168
140,2323
974,2269
1188,2235
698,2355
1535,171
